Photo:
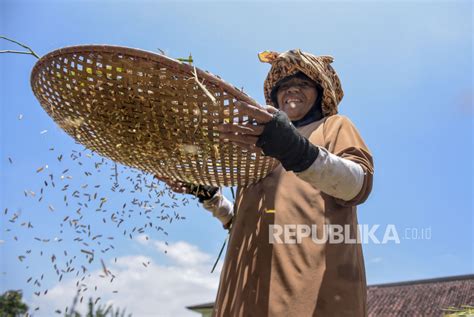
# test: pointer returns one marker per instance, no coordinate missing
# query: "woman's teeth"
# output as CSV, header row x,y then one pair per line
x,y
292,102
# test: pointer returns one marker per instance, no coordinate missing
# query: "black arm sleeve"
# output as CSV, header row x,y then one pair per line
x,y
281,140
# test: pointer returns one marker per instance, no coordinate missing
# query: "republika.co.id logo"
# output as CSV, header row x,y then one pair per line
x,y
337,234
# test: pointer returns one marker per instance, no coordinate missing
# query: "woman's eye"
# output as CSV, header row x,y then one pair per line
x,y
298,84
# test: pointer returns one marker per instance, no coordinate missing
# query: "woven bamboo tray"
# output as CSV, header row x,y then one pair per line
x,y
147,111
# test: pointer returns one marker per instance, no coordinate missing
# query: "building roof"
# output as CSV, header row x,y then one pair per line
x,y
421,297
412,298
201,306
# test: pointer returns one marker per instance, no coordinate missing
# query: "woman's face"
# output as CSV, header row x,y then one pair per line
x,y
296,97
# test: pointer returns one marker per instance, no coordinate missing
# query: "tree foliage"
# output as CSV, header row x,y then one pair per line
x,y
11,304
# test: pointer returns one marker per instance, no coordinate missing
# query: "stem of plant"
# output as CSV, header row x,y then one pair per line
x,y
30,51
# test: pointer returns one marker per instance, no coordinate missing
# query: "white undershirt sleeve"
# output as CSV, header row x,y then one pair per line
x,y
220,207
334,175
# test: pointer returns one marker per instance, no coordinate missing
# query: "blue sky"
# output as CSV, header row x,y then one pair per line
x,y
406,69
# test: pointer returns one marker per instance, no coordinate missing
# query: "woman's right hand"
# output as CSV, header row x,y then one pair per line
x,y
176,186
203,192
221,208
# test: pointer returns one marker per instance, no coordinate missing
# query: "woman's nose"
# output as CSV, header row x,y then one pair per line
x,y
292,89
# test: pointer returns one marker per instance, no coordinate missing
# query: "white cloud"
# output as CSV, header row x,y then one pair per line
x,y
155,290
182,253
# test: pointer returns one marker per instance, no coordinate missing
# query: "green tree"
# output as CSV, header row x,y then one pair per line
x,y
11,304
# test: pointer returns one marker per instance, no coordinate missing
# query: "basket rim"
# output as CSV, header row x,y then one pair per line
x,y
174,64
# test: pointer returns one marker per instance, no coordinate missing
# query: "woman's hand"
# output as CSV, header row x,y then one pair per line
x,y
176,186
274,134
203,192
246,135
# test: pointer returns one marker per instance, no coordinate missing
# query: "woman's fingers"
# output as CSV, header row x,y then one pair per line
x,y
245,129
160,178
247,146
176,186
260,114
241,138
247,133
179,187
241,134
181,190
271,109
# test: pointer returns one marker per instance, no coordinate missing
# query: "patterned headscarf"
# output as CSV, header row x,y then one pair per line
x,y
317,68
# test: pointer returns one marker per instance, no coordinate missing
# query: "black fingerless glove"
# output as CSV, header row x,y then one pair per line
x,y
281,140
203,192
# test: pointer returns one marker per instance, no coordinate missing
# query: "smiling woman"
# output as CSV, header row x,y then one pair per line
x,y
326,170
299,97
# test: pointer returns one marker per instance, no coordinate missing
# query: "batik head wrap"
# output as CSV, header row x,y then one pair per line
x,y
317,68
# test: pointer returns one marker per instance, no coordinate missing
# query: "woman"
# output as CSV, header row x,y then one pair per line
x,y
272,268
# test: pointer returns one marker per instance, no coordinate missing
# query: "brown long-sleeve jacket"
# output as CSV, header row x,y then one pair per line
x,y
260,278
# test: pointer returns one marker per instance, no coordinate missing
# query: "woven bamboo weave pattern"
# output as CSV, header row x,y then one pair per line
x,y
147,111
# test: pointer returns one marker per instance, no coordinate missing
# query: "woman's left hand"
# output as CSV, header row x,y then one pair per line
x,y
246,135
